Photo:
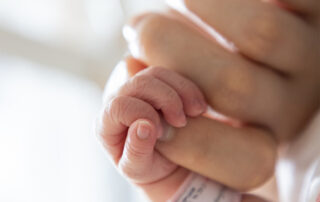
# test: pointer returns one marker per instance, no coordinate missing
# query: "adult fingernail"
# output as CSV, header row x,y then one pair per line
x,y
143,130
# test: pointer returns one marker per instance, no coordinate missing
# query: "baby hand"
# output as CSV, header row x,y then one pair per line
x,y
131,124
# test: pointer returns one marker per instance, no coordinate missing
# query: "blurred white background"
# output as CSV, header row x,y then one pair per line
x,y
55,56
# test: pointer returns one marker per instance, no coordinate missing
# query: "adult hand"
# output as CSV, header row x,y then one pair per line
x,y
265,81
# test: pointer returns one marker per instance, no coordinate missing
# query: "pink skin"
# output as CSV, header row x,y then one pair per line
x,y
131,123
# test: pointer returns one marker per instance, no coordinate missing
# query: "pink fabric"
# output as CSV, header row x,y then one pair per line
x,y
318,199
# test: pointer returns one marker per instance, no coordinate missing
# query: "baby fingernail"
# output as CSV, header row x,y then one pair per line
x,y
199,106
204,106
183,119
144,130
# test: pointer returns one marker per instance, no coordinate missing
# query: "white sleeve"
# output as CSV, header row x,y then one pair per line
x,y
197,188
314,187
298,168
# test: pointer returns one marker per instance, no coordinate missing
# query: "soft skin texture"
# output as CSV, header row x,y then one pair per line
x,y
269,35
251,198
270,88
269,93
233,85
130,125
238,158
241,158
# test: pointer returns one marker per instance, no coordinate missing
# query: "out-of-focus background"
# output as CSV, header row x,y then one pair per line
x,y
55,56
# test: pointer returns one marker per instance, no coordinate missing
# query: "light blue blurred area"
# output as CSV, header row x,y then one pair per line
x,y
55,56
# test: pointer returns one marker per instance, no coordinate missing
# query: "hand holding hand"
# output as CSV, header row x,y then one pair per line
x,y
131,124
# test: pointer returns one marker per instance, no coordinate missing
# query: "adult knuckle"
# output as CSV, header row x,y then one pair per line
x,y
152,22
154,32
263,33
236,85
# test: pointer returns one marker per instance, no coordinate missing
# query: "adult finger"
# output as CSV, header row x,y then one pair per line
x,y
233,86
252,198
117,116
225,152
307,7
134,66
261,31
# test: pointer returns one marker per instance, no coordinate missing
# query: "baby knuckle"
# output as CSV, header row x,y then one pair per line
x,y
172,96
188,88
129,171
159,72
156,70
116,106
141,82
134,152
171,102
167,166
